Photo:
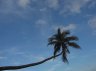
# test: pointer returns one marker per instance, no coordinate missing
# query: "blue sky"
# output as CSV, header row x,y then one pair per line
x,y
25,26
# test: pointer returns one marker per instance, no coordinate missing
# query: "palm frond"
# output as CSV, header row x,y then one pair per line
x,y
56,49
51,39
64,54
73,44
64,57
71,38
52,42
65,48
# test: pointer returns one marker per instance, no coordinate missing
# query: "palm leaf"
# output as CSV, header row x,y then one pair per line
x,y
53,42
64,47
64,57
71,38
64,54
56,49
73,44
51,39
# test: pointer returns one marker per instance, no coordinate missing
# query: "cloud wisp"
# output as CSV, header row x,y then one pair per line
x,y
66,6
23,3
74,7
54,67
68,27
92,24
15,7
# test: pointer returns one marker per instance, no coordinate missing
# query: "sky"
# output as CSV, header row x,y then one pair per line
x,y
26,25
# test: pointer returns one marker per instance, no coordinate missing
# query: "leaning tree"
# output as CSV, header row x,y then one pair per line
x,y
61,42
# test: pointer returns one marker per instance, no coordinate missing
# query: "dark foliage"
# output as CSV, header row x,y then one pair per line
x,y
61,41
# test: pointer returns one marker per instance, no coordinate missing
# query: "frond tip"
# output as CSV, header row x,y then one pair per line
x,y
64,57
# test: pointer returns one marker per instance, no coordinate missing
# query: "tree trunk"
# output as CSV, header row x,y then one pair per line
x,y
26,65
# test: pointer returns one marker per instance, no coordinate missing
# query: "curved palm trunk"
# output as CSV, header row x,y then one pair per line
x,y
26,65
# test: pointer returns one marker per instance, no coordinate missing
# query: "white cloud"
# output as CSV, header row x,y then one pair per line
x,y
16,63
7,5
27,7
68,27
34,58
92,24
13,51
39,58
52,3
74,6
93,4
67,6
54,67
2,57
43,9
23,3
68,69
20,53
17,7
41,23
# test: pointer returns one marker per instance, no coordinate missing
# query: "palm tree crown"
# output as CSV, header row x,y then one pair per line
x,y
61,42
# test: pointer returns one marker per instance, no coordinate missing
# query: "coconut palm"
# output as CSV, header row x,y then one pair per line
x,y
61,42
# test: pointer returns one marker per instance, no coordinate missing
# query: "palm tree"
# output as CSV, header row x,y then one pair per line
x,y
61,41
